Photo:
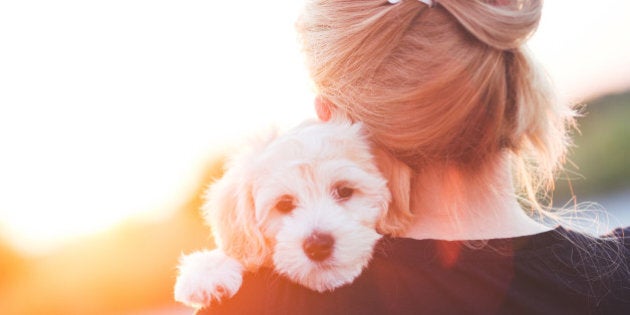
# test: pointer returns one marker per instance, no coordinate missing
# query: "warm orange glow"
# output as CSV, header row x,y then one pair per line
x,y
449,253
129,269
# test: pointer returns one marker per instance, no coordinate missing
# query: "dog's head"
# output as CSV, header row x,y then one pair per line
x,y
308,202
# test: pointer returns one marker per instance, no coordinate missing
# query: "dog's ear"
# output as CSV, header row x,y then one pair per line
x,y
399,176
229,210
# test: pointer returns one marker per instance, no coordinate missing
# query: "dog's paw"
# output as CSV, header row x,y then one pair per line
x,y
206,277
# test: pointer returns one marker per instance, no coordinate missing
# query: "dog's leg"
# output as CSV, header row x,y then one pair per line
x,y
206,277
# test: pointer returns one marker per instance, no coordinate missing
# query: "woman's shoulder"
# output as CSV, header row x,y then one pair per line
x,y
266,292
251,295
620,233
583,269
559,268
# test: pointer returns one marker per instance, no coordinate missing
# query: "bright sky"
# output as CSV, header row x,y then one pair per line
x,y
585,46
109,109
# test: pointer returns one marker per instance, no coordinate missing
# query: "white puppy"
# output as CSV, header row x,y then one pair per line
x,y
306,203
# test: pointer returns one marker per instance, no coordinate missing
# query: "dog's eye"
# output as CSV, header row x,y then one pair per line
x,y
343,192
285,204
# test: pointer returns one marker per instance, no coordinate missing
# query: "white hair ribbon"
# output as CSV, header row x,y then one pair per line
x,y
427,2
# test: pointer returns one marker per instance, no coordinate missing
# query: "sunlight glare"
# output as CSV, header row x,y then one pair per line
x,y
110,109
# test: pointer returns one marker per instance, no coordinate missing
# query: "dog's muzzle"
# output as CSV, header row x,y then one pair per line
x,y
318,246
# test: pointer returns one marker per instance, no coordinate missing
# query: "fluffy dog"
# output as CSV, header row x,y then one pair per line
x,y
307,203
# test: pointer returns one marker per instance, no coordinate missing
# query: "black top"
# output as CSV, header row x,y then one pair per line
x,y
556,272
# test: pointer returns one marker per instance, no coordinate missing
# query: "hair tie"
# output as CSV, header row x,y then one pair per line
x,y
427,2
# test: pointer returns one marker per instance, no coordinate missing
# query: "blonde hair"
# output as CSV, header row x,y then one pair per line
x,y
451,84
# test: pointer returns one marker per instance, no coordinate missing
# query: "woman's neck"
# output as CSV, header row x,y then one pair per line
x,y
449,204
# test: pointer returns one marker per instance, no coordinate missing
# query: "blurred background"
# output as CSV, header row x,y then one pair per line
x,y
116,115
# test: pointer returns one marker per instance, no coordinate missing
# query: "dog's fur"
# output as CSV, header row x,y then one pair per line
x,y
317,179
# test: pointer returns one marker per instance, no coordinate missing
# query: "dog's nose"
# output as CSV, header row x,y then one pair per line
x,y
318,246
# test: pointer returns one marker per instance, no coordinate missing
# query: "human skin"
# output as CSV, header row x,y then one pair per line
x,y
450,204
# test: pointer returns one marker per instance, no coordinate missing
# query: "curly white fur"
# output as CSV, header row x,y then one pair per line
x,y
317,179
207,276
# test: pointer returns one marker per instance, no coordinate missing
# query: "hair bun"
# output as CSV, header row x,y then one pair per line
x,y
502,24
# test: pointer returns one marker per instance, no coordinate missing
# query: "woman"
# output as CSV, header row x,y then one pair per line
x,y
446,88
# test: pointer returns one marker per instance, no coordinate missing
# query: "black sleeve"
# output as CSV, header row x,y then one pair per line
x,y
265,292
622,234
250,299
617,301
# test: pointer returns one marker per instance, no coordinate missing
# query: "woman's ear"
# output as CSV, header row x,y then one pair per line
x,y
323,107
